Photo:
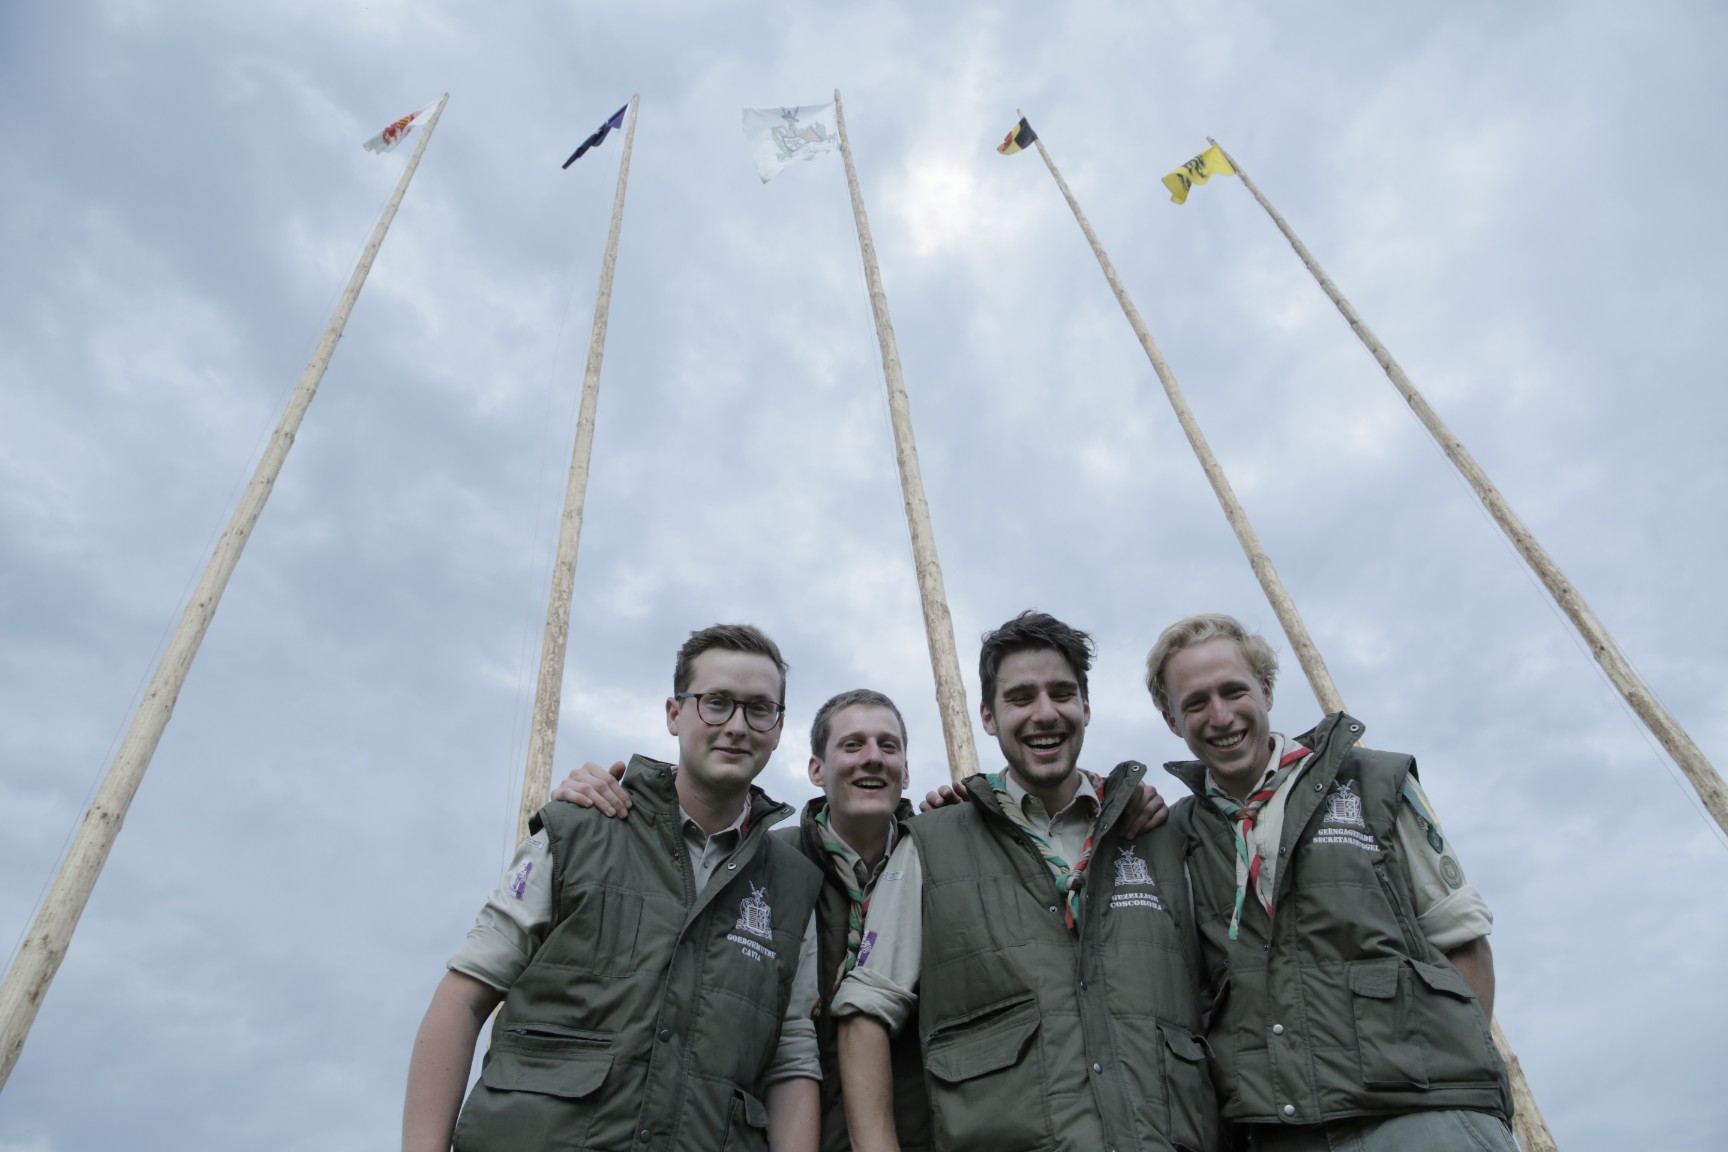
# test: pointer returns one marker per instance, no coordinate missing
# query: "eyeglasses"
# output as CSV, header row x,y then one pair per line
x,y
716,708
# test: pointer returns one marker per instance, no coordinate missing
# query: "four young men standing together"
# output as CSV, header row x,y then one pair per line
x,y
1293,961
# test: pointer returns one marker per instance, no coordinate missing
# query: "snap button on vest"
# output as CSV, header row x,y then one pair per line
x,y
1289,1109
1277,1030
1098,1068
665,1033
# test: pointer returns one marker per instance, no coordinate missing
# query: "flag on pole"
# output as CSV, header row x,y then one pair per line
x,y
397,132
778,136
616,120
1020,136
1202,168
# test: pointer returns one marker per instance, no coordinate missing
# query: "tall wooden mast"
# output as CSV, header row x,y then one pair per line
x,y
1660,722
938,625
43,949
543,733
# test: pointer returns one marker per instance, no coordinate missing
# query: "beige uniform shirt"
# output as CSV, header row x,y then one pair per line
x,y
519,913
885,982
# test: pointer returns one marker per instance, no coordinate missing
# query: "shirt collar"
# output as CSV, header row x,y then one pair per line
x,y
693,830
851,856
1082,795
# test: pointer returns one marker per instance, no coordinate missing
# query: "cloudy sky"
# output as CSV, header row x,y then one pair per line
x,y
1524,202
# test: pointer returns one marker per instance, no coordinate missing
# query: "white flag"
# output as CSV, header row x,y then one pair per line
x,y
779,136
398,131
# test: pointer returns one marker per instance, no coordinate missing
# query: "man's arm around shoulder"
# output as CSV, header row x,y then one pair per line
x,y
443,1054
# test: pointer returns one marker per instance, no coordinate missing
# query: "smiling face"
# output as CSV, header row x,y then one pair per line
x,y
1039,719
725,757
863,770
1221,711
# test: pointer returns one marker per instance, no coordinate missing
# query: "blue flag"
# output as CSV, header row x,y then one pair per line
x,y
616,121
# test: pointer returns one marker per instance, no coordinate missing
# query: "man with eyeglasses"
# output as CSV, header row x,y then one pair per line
x,y
656,974
858,759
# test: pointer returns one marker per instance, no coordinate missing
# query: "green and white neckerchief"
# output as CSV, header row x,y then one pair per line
x,y
1242,817
848,868
1073,881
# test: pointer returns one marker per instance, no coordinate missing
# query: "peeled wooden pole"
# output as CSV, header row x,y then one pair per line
x,y
543,733
1527,1123
1300,642
938,625
1661,723
39,958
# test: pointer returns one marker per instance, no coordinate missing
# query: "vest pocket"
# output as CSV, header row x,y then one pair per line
x,y
1188,1093
533,1091
983,1081
1417,1026
746,1124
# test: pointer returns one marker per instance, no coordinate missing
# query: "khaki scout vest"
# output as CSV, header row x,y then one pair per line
x,y
1336,1005
1035,1038
911,1104
648,1017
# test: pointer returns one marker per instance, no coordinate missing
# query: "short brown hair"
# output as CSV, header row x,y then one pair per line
x,y
1028,631
727,638
1192,630
821,728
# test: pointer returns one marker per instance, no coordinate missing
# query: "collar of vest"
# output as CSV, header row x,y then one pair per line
x,y
651,784
1330,739
1122,780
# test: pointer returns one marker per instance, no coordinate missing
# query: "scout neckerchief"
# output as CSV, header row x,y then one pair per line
x,y
850,873
1073,880
1242,817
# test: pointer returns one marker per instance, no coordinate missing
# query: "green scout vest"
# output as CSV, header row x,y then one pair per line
x,y
1035,1038
648,1017
1336,1005
911,1105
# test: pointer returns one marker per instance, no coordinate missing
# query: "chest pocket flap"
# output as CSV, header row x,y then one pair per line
x,y
571,1075
989,1043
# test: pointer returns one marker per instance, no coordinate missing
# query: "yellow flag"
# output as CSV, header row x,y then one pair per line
x,y
1202,168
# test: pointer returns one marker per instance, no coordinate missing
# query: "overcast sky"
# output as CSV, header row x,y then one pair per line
x,y
1522,200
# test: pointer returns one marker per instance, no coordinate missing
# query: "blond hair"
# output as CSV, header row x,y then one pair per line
x,y
1192,630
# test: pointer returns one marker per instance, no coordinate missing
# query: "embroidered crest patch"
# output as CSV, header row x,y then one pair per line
x,y
1130,869
756,918
1344,806
1131,872
1343,819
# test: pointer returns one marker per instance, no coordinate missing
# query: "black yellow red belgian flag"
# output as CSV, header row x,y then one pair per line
x,y
1020,136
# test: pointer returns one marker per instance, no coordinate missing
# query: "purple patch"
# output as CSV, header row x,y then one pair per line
x,y
519,883
864,948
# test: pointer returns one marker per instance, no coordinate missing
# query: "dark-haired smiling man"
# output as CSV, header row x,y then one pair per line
x,y
1043,958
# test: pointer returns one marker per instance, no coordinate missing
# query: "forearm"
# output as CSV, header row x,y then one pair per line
x,y
1475,962
794,1115
867,1084
443,1054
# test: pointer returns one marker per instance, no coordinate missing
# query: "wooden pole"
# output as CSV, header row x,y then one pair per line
x,y
938,625
1307,654
1528,1123
39,958
543,735
1661,723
